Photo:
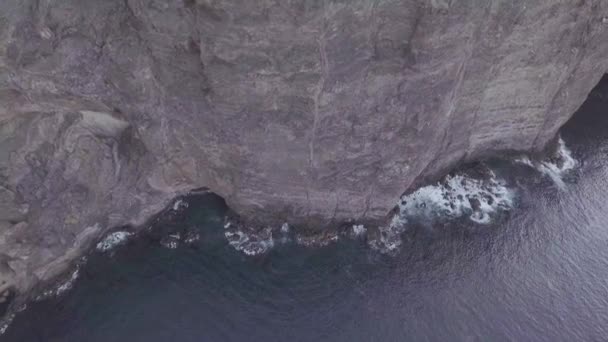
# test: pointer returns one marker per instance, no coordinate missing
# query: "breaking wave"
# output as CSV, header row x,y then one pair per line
x,y
455,197
555,167
6,322
478,199
458,196
65,285
113,240
250,243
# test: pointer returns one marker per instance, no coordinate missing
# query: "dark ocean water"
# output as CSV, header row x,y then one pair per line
x,y
539,274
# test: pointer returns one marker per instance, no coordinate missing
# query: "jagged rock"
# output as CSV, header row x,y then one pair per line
x,y
310,112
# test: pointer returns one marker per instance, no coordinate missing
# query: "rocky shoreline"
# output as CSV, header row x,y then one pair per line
x,y
471,190
312,113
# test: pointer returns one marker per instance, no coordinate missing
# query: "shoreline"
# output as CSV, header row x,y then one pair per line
x,y
56,273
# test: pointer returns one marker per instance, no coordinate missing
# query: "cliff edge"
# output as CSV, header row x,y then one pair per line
x,y
310,112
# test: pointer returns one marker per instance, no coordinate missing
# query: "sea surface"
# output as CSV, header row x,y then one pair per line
x,y
528,262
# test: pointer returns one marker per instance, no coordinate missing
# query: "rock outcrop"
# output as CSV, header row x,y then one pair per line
x,y
308,111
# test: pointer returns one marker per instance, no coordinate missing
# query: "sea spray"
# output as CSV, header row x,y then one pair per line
x,y
5,322
478,199
249,243
113,240
65,284
455,197
358,230
555,167
558,166
458,196
387,239
180,204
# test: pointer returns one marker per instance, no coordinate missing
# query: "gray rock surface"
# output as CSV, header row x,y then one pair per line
x,y
308,111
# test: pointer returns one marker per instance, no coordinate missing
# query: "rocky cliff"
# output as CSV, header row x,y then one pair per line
x,y
313,112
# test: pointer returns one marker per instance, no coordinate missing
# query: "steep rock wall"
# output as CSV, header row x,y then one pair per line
x,y
308,111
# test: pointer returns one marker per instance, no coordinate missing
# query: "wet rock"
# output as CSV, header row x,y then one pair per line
x,y
475,204
489,199
318,240
170,241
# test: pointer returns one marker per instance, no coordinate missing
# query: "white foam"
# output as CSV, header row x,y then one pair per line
x,y
6,322
359,230
549,167
557,171
63,287
457,196
192,237
318,240
179,204
553,173
524,160
113,240
68,284
250,243
171,241
285,228
171,244
388,240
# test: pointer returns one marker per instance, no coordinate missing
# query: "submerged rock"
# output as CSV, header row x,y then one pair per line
x,y
311,113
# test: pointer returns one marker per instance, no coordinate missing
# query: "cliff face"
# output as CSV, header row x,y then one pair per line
x,y
311,112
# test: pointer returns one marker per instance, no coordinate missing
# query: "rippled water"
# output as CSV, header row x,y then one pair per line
x,y
538,273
